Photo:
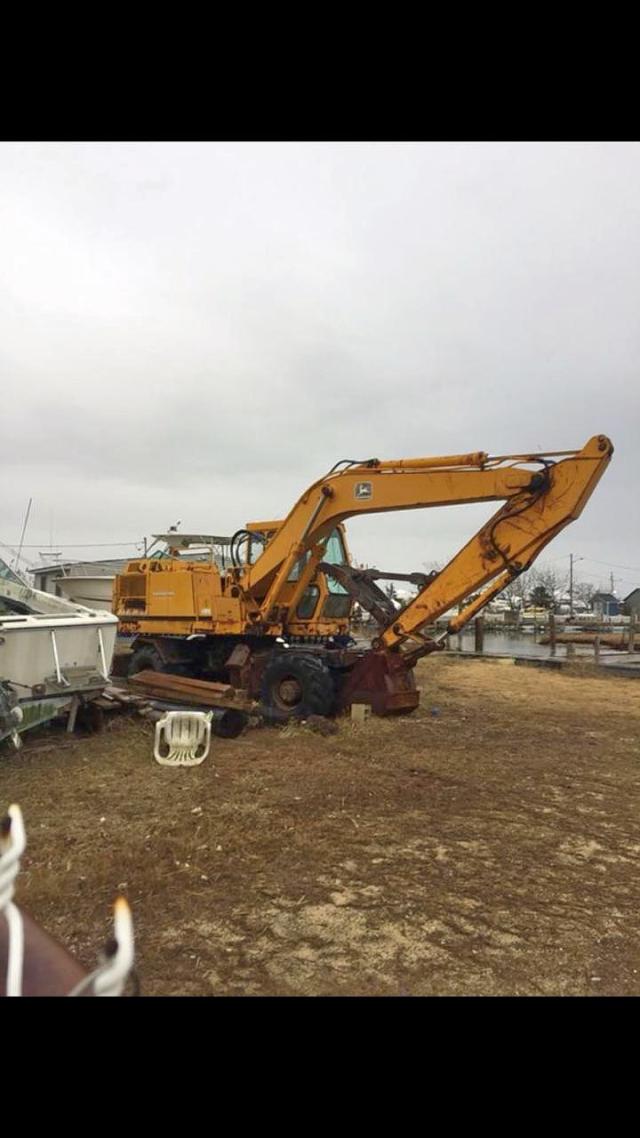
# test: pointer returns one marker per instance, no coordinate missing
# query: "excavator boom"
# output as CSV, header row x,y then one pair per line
x,y
509,542
538,504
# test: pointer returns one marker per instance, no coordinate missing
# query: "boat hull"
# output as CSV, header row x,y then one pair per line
x,y
50,650
94,592
52,654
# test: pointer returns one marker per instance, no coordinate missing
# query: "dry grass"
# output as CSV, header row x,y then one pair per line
x,y
489,843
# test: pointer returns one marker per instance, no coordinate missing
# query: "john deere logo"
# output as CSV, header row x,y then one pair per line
x,y
363,490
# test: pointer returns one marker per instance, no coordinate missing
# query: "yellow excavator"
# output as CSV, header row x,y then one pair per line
x,y
273,617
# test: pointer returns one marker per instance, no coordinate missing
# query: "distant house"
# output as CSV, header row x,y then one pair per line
x,y
605,604
632,603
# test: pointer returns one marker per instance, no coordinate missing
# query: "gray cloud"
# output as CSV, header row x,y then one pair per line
x,y
197,331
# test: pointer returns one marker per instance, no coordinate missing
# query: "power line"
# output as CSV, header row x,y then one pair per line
x,y
88,545
610,565
562,557
582,557
628,581
10,548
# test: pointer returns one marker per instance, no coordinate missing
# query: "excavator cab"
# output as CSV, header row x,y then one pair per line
x,y
324,600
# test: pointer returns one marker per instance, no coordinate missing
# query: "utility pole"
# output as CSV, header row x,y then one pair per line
x,y
572,558
571,585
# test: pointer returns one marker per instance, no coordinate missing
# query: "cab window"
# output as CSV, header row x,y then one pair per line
x,y
335,555
298,567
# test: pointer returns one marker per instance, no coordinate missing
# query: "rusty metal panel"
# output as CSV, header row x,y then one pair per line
x,y
383,680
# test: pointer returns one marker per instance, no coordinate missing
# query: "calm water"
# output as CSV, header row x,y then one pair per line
x,y
513,643
509,642
504,643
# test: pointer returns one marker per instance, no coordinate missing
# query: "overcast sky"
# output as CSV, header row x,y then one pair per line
x,y
195,331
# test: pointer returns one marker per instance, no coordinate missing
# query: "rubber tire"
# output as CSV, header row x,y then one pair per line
x,y
146,658
318,693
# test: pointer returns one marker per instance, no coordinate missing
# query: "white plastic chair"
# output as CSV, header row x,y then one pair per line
x,y
186,734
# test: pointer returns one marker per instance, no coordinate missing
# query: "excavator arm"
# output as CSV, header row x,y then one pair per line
x,y
508,544
537,505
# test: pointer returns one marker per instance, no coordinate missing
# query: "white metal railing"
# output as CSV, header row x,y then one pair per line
x,y
12,843
105,670
61,679
111,975
116,962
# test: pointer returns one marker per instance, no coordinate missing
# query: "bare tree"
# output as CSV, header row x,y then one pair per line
x,y
545,586
515,592
583,591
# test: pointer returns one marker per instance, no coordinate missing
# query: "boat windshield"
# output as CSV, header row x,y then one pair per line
x,y
8,574
11,607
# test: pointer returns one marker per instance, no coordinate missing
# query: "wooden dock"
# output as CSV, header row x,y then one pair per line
x,y
631,666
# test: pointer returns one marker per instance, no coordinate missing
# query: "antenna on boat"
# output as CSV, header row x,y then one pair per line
x,y
24,529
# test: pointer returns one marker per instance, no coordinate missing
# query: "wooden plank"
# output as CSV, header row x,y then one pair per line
x,y
182,689
168,680
201,700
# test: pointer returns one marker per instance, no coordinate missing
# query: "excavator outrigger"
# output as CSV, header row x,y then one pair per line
x,y
276,621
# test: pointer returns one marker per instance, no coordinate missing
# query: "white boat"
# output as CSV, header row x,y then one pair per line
x,y
54,655
91,591
88,583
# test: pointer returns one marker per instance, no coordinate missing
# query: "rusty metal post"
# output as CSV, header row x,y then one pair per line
x,y
478,626
596,649
73,711
632,632
552,632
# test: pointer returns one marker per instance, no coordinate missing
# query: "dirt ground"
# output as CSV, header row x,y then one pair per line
x,y
487,844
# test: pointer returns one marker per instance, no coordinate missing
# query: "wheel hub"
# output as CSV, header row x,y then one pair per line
x,y
288,692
